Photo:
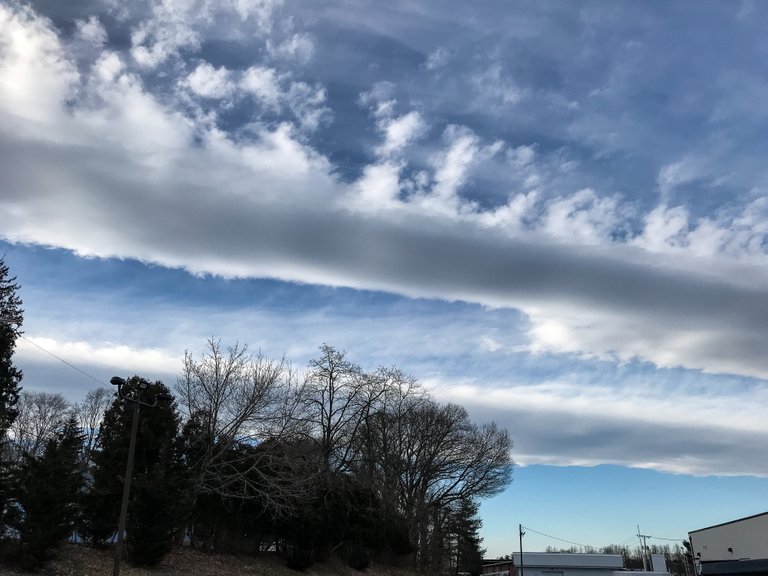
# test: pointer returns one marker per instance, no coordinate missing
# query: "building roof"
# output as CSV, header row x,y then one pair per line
x,y
729,522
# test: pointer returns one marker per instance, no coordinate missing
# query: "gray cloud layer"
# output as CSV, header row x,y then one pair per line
x,y
140,151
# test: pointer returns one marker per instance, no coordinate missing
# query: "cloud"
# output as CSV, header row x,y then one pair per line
x,y
174,26
96,162
210,82
125,358
263,84
168,30
276,92
92,31
555,271
565,423
399,132
493,88
35,77
584,217
298,47
437,59
679,173
452,167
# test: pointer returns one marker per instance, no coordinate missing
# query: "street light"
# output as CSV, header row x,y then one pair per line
x,y
137,402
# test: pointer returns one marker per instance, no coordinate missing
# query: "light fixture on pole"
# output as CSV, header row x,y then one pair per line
x,y
137,402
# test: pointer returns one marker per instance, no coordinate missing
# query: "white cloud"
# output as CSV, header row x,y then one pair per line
x,y
679,173
276,92
36,78
92,31
378,187
492,88
169,29
380,98
173,26
583,217
210,82
673,430
452,167
437,59
120,358
260,11
298,47
739,234
263,84
307,103
522,156
399,132
512,215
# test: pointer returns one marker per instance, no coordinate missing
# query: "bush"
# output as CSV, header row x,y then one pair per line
x,y
300,559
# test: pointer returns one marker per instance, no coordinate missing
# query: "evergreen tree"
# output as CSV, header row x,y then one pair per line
x,y
11,318
466,525
154,507
49,486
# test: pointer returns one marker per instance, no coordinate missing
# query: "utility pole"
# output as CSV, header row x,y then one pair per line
x,y
643,548
520,528
132,397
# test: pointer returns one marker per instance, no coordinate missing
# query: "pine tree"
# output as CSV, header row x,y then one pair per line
x,y
48,487
11,318
155,503
465,525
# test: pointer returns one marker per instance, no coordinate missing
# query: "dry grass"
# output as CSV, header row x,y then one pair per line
x,y
82,560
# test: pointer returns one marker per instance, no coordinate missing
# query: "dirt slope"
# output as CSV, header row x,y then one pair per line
x,y
80,560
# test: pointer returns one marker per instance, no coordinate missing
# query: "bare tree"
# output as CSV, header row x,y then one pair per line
x,y
426,459
448,459
41,415
337,400
238,413
382,442
90,413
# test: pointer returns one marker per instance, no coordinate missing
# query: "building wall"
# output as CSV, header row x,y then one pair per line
x,y
545,560
500,569
746,538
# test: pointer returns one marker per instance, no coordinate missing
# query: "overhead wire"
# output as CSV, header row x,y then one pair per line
x,y
60,359
556,538
595,547
83,372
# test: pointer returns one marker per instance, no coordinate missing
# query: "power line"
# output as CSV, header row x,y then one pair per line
x,y
83,372
556,538
12,320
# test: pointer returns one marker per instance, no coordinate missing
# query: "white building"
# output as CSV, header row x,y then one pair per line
x,y
547,564
731,548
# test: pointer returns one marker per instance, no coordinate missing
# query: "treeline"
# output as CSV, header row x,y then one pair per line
x,y
249,456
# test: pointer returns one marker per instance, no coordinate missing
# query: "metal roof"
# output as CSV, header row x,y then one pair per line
x,y
729,522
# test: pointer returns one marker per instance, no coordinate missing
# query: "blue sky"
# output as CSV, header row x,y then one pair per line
x,y
554,213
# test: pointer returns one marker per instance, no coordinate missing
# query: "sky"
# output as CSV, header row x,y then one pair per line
x,y
553,213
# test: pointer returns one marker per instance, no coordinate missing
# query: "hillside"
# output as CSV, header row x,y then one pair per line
x,y
81,560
